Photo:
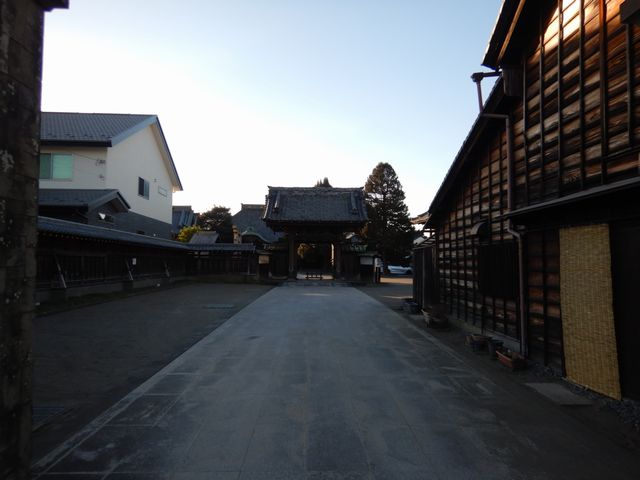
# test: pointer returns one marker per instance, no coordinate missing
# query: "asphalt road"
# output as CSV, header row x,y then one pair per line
x,y
88,358
322,382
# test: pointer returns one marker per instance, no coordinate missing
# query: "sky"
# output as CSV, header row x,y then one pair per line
x,y
258,93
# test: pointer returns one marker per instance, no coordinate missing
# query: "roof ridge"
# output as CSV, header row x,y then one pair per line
x,y
101,113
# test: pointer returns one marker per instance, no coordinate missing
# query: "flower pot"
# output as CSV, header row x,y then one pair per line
x,y
511,360
411,307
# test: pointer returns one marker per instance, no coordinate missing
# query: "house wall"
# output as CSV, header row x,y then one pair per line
x,y
575,128
582,101
89,168
140,156
579,130
480,196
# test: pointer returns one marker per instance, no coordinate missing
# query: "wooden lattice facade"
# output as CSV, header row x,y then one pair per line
x,y
556,147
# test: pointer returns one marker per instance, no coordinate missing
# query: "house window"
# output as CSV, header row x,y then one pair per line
x,y
143,187
498,269
56,166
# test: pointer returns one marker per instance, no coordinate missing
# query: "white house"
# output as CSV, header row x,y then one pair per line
x,y
123,152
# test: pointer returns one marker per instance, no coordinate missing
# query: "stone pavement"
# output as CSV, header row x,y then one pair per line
x,y
327,383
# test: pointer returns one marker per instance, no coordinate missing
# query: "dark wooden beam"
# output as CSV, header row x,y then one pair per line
x,y
525,132
560,96
604,96
541,103
583,172
631,104
51,4
630,11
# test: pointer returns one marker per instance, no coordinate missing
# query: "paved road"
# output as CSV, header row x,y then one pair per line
x,y
326,383
88,358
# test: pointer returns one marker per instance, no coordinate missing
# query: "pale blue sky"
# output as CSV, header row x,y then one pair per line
x,y
253,93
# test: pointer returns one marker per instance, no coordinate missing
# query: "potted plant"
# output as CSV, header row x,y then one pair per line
x,y
512,360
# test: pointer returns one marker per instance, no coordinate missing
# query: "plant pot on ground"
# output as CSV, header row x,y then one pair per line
x,y
410,306
434,321
511,360
478,343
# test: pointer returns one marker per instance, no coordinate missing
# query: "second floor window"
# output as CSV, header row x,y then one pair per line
x,y
56,166
143,187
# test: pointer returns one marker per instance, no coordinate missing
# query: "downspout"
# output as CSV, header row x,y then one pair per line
x,y
510,227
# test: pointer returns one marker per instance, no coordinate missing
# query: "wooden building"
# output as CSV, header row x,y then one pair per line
x,y
536,227
320,218
75,259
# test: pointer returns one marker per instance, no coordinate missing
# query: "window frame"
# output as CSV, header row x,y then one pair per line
x,y
52,161
144,191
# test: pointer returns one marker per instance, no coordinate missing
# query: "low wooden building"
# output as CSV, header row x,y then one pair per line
x,y
536,227
76,259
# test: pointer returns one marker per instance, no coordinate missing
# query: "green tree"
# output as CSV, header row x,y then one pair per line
x,y
323,183
187,232
389,228
217,219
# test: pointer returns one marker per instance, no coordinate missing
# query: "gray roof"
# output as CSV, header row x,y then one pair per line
x,y
82,198
204,238
224,247
182,216
63,227
249,222
315,205
100,129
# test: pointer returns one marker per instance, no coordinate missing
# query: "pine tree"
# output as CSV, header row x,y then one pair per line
x,y
389,229
323,183
217,219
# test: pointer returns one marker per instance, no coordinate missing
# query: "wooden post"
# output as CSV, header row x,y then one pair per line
x,y
21,24
293,255
338,255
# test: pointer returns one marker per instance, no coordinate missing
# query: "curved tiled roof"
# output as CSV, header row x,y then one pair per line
x,y
315,205
249,222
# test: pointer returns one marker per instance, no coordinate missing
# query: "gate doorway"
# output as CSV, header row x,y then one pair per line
x,y
315,257
625,266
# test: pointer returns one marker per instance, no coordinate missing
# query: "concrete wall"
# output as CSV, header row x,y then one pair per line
x,y
21,25
89,168
141,156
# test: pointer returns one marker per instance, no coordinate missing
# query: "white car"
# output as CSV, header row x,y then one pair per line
x,y
399,270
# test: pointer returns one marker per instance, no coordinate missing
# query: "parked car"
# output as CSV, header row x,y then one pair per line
x,y
399,270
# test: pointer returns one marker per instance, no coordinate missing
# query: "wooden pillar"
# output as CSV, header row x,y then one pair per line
x,y
338,259
21,24
293,255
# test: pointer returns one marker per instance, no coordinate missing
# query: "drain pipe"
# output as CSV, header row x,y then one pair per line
x,y
477,78
510,227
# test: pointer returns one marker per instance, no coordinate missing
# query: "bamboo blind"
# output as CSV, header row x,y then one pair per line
x,y
591,356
